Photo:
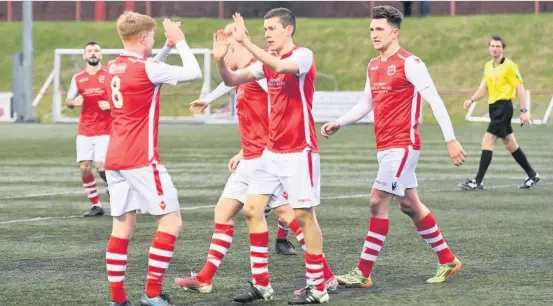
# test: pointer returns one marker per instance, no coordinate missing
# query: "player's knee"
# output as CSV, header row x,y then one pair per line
x,y
406,206
85,169
285,214
304,216
253,212
376,204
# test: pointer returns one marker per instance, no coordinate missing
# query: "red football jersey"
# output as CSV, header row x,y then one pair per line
x,y
93,120
252,107
396,102
291,124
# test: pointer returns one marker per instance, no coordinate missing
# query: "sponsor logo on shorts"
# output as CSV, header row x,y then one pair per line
x,y
394,185
162,205
285,195
304,201
381,183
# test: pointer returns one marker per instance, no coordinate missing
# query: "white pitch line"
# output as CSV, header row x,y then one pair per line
x,y
45,194
73,217
351,196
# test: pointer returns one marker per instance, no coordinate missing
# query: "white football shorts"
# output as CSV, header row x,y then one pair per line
x,y
239,181
396,170
93,148
149,189
296,173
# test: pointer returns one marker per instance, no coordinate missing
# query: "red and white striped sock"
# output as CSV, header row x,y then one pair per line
x,y
161,253
116,266
220,243
378,230
295,227
89,184
282,232
259,257
428,230
314,271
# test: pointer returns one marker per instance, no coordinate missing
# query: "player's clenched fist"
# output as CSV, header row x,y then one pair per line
x,y
173,32
233,163
467,104
104,105
456,152
198,106
330,128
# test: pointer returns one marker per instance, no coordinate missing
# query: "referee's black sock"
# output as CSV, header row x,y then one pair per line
x,y
521,159
485,161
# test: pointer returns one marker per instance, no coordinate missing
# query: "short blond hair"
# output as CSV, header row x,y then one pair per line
x,y
131,24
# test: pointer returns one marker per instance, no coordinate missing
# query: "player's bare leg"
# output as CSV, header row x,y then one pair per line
x,y
161,253
89,184
427,228
488,143
285,215
254,211
533,177
116,257
360,277
102,173
223,233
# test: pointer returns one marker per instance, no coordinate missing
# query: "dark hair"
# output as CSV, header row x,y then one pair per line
x,y
91,43
390,13
498,38
286,17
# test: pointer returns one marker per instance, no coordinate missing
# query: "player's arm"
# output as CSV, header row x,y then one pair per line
x,y
235,160
241,76
481,92
73,98
163,54
514,78
418,75
358,112
161,73
197,106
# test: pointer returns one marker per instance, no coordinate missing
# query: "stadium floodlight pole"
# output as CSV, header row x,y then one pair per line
x,y
27,115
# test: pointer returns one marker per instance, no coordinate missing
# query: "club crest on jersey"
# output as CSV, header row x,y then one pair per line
x,y
101,79
391,70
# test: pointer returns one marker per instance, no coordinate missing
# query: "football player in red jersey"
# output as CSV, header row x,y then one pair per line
x,y
395,83
87,90
136,176
253,122
291,159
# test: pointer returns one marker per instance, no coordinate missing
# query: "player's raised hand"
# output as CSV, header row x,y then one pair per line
x,y
198,106
220,45
104,105
233,163
239,30
456,152
525,119
330,128
173,32
467,104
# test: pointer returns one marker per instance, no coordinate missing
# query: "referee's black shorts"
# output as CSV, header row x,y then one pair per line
x,y
501,113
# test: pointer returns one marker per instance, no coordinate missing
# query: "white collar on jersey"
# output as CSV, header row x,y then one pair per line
x,y
130,53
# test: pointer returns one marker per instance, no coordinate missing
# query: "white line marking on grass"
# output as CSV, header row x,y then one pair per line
x,y
73,217
38,195
351,196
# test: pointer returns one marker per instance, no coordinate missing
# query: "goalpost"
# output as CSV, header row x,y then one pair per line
x,y
69,61
516,119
